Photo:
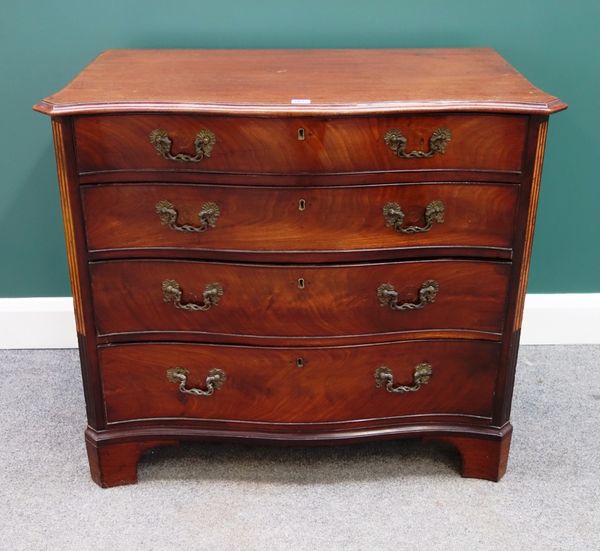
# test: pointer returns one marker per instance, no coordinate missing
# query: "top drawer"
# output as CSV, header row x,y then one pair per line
x,y
295,145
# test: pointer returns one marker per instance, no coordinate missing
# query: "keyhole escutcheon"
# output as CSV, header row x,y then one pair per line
x,y
301,283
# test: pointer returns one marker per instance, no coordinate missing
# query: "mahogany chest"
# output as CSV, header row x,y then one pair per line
x,y
298,246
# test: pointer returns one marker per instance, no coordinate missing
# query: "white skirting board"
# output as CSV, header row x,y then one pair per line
x,y
48,322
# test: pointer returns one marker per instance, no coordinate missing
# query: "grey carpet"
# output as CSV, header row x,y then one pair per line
x,y
394,495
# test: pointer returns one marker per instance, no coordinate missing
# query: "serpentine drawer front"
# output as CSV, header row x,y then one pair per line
x,y
348,383
298,246
291,145
137,296
195,219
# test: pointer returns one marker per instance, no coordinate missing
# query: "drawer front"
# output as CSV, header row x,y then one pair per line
x,y
228,218
267,384
297,301
272,145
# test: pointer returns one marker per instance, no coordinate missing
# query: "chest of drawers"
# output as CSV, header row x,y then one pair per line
x,y
307,247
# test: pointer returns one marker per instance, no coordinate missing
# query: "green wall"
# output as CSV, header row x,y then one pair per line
x,y
44,44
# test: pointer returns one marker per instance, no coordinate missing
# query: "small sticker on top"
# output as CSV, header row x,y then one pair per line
x,y
300,101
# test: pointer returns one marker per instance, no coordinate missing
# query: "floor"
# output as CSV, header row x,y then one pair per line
x,y
394,495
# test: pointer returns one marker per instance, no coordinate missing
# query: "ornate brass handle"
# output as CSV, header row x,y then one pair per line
x,y
204,143
387,295
214,381
438,142
385,377
394,217
168,216
172,292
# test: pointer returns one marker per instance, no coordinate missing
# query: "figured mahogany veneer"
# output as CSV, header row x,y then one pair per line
x,y
122,218
263,146
331,385
271,189
267,300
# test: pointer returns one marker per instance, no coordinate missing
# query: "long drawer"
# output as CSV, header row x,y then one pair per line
x,y
300,144
298,385
137,217
137,296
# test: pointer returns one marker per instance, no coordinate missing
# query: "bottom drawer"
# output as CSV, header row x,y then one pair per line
x,y
298,385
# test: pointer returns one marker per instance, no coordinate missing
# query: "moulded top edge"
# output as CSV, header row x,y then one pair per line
x,y
300,82
388,108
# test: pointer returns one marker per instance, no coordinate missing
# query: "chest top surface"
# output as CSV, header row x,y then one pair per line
x,y
300,82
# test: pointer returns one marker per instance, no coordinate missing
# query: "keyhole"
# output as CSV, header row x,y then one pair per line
x,y
301,204
300,283
299,362
301,134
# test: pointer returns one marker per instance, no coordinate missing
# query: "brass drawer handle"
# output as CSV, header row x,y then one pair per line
x,y
394,217
387,295
168,216
385,378
214,381
204,143
172,292
438,142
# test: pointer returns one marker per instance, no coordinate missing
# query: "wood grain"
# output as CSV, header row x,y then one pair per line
x,y
483,456
62,130
119,254
266,300
123,218
113,454
333,81
335,384
116,464
536,141
263,146
530,227
61,145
